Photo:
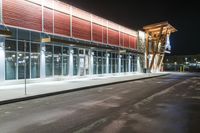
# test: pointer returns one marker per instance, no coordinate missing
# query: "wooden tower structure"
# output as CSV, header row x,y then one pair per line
x,y
157,44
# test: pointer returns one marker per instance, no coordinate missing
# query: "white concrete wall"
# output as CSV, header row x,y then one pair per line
x,y
129,63
119,62
91,62
2,58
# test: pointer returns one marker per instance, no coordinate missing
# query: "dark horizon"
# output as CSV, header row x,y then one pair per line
x,y
135,15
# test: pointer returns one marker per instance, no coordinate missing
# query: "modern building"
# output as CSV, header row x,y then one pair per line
x,y
42,39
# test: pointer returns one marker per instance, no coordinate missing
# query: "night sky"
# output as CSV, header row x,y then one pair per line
x,y
184,16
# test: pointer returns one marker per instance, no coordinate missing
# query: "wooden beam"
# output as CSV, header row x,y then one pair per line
x,y
156,50
147,50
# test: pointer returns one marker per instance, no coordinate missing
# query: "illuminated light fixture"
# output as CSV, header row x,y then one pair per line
x,y
168,52
122,51
46,40
5,33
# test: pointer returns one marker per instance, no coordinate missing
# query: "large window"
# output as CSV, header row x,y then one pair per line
x,y
124,63
100,62
23,59
10,65
11,59
49,60
75,61
35,60
20,50
57,60
104,62
133,63
65,61
114,62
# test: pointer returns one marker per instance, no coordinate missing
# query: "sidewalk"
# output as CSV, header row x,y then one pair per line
x,y
16,93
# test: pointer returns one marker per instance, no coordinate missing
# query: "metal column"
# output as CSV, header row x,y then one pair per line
x,y
42,60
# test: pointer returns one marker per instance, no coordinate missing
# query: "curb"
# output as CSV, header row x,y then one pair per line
x,y
71,90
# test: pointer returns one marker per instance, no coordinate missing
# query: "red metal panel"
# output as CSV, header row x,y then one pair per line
x,y
113,37
133,42
22,13
126,40
104,35
121,39
97,32
48,20
61,23
81,28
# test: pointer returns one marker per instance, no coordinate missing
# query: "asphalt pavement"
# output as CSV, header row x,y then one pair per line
x,y
168,104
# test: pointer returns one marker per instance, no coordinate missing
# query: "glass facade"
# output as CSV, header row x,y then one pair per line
x,y
75,61
99,62
22,57
133,64
57,60
57,57
124,63
35,60
49,60
10,59
65,66
113,63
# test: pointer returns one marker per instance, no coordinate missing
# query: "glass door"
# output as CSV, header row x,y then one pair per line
x,y
82,66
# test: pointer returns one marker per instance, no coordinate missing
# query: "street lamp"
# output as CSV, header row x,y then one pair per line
x,y
185,59
175,63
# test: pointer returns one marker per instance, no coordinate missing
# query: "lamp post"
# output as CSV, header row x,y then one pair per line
x,y
185,63
175,63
